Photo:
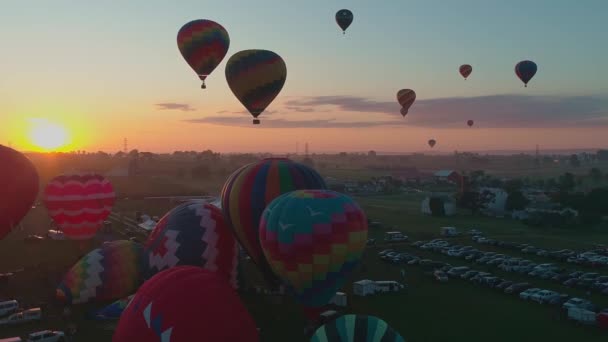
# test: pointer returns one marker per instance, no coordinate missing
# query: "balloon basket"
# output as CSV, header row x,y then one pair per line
x,y
256,121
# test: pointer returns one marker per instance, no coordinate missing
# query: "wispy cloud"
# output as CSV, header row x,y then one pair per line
x,y
282,123
184,107
496,111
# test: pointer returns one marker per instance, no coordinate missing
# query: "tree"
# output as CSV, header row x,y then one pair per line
x,y
513,185
574,161
595,174
371,153
200,172
566,182
474,200
516,201
134,153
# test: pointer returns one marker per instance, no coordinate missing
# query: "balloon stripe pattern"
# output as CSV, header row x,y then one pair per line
x,y
361,328
19,188
107,273
194,233
525,70
79,203
313,239
203,44
251,188
256,77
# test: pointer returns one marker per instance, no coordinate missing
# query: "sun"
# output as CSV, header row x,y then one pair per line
x,y
47,135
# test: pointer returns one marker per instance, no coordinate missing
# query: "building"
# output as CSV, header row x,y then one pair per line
x,y
448,176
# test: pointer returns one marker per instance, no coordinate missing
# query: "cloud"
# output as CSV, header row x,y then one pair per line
x,y
487,111
282,123
184,107
301,109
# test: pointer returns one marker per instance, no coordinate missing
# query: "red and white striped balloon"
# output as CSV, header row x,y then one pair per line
x,y
79,204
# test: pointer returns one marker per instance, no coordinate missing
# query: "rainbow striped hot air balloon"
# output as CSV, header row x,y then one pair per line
x,y
251,188
79,203
256,77
110,272
203,44
313,239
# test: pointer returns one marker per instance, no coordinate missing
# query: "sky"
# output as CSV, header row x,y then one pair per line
x,y
107,70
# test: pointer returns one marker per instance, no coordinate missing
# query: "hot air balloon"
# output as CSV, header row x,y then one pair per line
x,y
19,188
203,44
110,272
344,18
470,123
359,328
432,143
256,77
525,70
79,203
112,311
465,70
185,304
250,189
193,233
313,239
406,98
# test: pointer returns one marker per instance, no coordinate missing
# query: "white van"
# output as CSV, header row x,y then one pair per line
x,y
8,307
46,336
24,316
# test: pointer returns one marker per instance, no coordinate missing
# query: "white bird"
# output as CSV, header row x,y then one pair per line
x,y
285,226
312,212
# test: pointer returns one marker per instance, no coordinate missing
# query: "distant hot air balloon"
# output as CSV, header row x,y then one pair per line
x,y
470,123
203,44
193,233
465,70
19,188
406,98
432,143
186,304
525,70
79,204
250,189
344,18
256,77
313,240
359,328
110,272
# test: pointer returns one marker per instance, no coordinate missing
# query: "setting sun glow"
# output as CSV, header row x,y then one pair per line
x,y
47,135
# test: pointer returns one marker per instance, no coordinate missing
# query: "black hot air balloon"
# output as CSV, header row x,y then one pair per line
x,y
344,18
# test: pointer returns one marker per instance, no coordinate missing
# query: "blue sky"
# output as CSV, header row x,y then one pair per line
x,y
117,59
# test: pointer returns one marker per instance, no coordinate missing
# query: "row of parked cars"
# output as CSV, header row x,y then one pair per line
x,y
590,281
596,257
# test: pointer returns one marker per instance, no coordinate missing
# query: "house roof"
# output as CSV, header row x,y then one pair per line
x,y
444,173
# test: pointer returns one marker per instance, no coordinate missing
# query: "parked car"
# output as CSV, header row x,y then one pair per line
x,y
476,278
386,251
8,307
469,274
578,302
491,282
415,260
417,243
504,284
527,294
456,272
561,277
34,239
544,296
559,300
34,314
46,336
517,288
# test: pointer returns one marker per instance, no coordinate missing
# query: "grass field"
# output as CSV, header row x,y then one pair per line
x,y
428,311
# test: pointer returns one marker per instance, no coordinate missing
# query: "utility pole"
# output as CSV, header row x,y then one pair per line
x,y
125,146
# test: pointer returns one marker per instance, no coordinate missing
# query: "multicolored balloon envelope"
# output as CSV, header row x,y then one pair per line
x,y
193,233
465,70
525,70
313,240
203,44
110,272
432,143
79,203
19,188
344,18
406,98
185,304
360,328
256,77
112,311
251,188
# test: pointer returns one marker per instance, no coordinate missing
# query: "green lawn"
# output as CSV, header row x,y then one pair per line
x,y
428,311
